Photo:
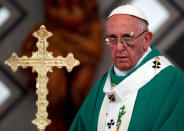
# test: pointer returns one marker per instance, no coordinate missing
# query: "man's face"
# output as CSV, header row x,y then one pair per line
x,y
125,57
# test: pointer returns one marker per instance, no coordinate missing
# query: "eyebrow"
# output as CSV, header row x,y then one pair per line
x,y
126,35
112,35
115,36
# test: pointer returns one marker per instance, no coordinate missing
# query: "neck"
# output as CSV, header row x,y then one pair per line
x,y
123,73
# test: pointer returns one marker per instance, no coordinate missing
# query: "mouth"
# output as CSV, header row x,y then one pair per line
x,y
122,58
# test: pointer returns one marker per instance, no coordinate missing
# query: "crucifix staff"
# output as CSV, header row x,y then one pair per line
x,y
42,62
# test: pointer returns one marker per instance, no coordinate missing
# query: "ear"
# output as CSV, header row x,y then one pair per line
x,y
147,37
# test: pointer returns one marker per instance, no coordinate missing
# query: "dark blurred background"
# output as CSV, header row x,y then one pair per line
x,y
78,27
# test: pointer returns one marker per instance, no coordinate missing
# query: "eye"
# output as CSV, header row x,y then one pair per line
x,y
129,41
106,40
111,39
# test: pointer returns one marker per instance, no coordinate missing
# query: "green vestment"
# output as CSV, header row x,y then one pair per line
x,y
159,104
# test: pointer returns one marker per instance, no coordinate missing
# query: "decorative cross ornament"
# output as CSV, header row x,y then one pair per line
x,y
111,123
42,62
112,98
156,63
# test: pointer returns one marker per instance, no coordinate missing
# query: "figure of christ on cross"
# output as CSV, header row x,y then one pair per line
x,y
42,62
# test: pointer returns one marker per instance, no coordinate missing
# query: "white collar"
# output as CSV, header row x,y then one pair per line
x,y
123,73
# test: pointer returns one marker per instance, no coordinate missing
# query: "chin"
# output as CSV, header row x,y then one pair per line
x,y
123,67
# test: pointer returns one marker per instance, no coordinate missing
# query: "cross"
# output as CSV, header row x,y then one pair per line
x,y
111,123
157,63
42,62
112,98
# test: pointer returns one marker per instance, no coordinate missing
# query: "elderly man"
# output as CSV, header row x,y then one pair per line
x,y
142,90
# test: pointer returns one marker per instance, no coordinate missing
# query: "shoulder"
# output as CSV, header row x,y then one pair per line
x,y
170,69
100,83
177,74
173,76
91,99
174,71
104,77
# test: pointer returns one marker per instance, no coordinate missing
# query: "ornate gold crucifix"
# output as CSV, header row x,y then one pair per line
x,y
42,62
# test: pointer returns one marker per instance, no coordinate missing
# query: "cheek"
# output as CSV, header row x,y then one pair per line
x,y
136,54
113,53
133,54
129,52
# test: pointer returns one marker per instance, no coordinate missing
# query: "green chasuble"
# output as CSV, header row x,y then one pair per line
x,y
159,104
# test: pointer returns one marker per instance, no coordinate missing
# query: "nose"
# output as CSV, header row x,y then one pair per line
x,y
120,46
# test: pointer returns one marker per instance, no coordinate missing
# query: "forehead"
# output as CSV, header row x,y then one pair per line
x,y
122,24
